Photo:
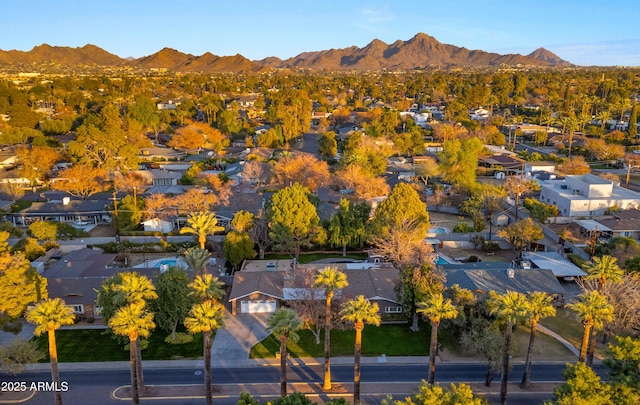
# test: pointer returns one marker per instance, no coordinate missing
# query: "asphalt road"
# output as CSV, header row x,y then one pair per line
x,y
95,387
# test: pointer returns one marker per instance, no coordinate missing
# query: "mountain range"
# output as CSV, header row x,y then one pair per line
x,y
421,51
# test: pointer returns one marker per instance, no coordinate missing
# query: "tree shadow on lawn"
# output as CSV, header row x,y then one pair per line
x,y
96,345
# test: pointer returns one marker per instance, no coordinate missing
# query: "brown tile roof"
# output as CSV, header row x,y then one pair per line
x,y
265,282
373,283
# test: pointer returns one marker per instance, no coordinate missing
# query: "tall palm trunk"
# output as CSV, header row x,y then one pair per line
x,y
55,375
414,321
140,375
283,366
433,348
585,342
356,363
133,343
208,389
505,363
592,347
526,378
327,344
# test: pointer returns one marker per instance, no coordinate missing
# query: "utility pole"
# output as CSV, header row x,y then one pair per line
x,y
115,212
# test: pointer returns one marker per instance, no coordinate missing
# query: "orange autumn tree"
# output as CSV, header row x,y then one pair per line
x,y
304,169
81,181
197,135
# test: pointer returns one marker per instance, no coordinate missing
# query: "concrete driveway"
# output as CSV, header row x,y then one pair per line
x,y
240,333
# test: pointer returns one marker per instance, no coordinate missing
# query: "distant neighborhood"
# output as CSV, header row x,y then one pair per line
x,y
499,182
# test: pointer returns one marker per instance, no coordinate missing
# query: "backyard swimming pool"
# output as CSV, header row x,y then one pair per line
x,y
164,264
440,260
439,230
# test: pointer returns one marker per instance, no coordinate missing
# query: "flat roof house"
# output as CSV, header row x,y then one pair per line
x,y
586,195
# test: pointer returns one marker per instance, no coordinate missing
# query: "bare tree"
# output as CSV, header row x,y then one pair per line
x,y
12,190
259,233
625,298
308,302
402,248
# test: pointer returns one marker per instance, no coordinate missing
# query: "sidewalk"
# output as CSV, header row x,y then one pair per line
x,y
313,391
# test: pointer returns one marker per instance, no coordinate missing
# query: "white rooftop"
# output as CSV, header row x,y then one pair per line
x,y
591,225
555,262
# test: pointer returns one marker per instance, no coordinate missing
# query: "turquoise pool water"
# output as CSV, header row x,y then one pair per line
x,y
439,230
167,262
441,261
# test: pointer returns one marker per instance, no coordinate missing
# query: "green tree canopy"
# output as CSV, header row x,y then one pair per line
x,y
459,161
347,227
429,394
293,217
20,285
520,234
173,303
582,386
238,246
402,206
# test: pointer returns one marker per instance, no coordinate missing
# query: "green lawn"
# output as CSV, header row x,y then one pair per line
x,y
566,325
569,327
312,257
79,345
391,340
20,205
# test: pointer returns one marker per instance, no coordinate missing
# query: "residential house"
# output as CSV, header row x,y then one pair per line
x,y
586,195
502,162
479,114
8,158
621,223
403,171
534,167
77,276
159,153
500,277
169,105
81,213
318,116
159,177
263,285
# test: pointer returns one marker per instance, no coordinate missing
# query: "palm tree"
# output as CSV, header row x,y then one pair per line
x,y
511,308
135,288
360,311
48,316
197,260
604,269
284,323
593,309
538,307
436,308
571,124
202,224
207,288
133,321
331,280
205,318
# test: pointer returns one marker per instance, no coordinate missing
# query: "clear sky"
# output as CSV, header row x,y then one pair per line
x,y
584,32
